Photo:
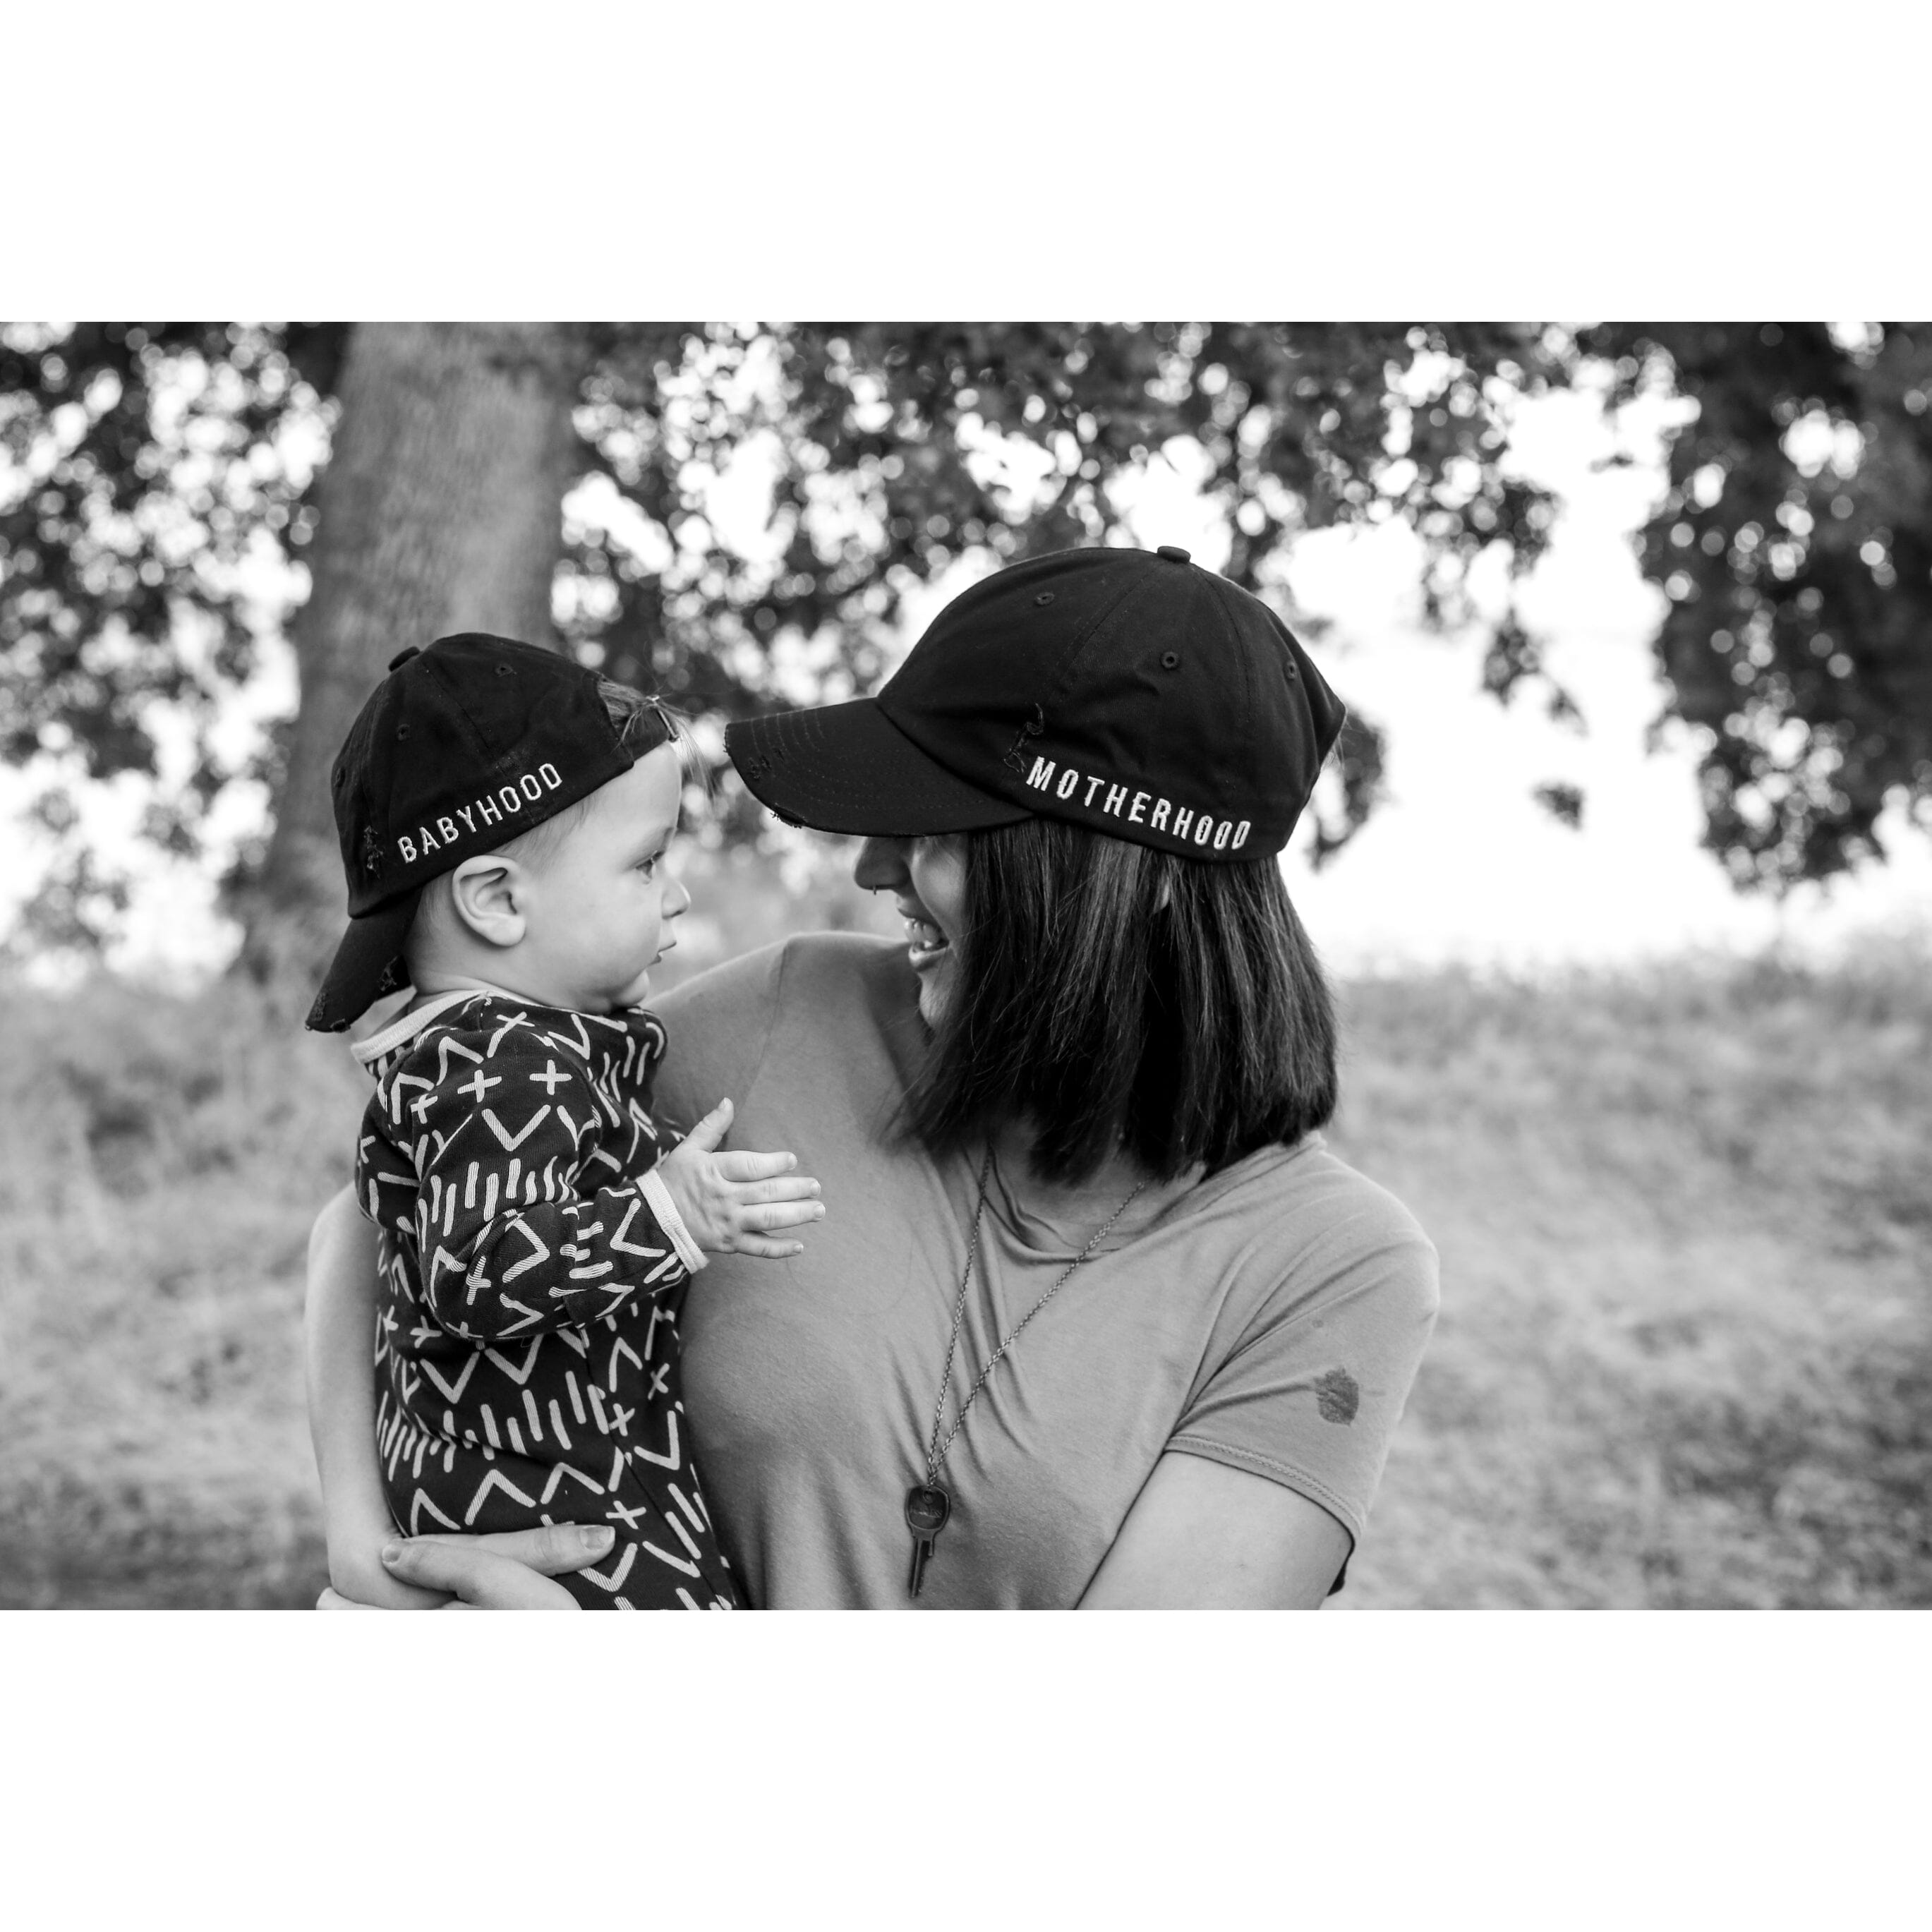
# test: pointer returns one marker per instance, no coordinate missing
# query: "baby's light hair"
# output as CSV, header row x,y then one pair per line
x,y
643,723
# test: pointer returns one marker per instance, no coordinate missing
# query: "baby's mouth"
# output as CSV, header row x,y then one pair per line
x,y
925,942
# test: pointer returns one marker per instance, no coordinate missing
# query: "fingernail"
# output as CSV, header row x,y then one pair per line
x,y
392,1553
599,1535
818,1211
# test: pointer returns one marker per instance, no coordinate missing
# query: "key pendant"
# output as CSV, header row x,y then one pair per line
x,y
928,1506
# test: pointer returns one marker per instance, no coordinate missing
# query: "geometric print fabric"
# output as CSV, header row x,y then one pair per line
x,y
526,1344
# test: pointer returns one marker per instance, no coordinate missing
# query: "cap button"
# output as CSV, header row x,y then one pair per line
x,y
1173,553
403,657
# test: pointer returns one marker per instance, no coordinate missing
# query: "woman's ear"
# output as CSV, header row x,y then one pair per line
x,y
488,895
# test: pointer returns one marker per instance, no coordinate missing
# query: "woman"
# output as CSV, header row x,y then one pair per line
x,y
1095,1318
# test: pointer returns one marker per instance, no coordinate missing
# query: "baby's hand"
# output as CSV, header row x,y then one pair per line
x,y
730,1201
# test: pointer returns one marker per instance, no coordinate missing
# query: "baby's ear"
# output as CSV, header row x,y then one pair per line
x,y
486,894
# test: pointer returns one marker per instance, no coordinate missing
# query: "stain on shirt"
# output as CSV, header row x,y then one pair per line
x,y
1337,1396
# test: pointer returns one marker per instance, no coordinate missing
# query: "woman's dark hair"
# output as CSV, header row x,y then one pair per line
x,y
1119,997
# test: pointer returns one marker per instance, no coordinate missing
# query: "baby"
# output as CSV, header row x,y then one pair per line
x,y
504,814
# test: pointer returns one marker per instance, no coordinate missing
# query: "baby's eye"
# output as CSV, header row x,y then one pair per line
x,y
647,866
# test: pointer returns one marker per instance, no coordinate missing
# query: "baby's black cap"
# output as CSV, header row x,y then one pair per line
x,y
463,746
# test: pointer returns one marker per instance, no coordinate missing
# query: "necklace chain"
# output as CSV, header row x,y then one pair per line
x,y
936,1452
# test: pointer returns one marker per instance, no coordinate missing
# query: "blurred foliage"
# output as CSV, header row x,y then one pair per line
x,y
1795,545
151,463
147,461
159,475
886,440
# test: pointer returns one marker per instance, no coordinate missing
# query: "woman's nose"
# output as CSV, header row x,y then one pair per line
x,y
881,864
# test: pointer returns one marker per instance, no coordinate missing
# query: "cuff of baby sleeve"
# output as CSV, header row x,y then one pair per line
x,y
657,1198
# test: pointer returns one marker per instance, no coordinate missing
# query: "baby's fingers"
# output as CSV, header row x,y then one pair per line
x,y
755,1166
778,1214
787,1187
709,1131
767,1249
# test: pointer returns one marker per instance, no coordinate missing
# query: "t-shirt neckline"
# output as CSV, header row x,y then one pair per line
x,y
1182,1196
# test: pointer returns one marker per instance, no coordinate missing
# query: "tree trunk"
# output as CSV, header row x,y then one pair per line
x,y
439,511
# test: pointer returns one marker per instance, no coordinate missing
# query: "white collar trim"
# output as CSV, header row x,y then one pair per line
x,y
368,1052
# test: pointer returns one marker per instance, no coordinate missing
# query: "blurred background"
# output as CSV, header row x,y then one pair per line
x,y
1622,865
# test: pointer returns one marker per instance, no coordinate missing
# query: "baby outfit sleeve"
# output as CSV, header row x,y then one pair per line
x,y
1309,1392
385,1180
513,1238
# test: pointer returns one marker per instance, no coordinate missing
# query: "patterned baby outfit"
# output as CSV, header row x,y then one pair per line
x,y
533,1268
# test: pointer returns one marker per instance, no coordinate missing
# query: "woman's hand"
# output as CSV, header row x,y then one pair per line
x,y
359,1579
509,1571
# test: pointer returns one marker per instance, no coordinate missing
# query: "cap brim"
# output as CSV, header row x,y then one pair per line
x,y
848,768
366,966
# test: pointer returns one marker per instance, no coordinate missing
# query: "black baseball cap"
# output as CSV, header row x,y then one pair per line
x,y
1128,690
463,746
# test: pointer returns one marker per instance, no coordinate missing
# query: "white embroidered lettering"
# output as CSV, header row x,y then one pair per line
x,y
1182,820
1139,806
533,790
447,826
423,838
492,813
548,773
1160,817
1117,796
513,799
1203,826
1221,831
1241,834
462,813
1092,786
1069,779
1041,776
407,847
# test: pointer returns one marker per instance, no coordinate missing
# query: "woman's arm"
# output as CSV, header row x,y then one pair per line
x,y
1317,1400
338,1342
370,1564
1202,1535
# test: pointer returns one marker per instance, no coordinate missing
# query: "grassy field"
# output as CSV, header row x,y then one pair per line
x,y
1685,1217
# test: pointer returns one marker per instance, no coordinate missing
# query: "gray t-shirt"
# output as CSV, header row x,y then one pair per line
x,y
1269,1318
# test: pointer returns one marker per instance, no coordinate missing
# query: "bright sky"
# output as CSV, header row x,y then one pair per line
x,y
1461,863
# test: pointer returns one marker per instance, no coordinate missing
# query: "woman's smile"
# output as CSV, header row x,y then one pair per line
x,y
925,942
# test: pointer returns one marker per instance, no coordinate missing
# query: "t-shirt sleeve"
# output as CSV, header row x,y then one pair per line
x,y
716,1026
1312,1383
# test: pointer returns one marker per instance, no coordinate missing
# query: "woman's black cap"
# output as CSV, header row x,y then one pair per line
x,y
1128,691
462,747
